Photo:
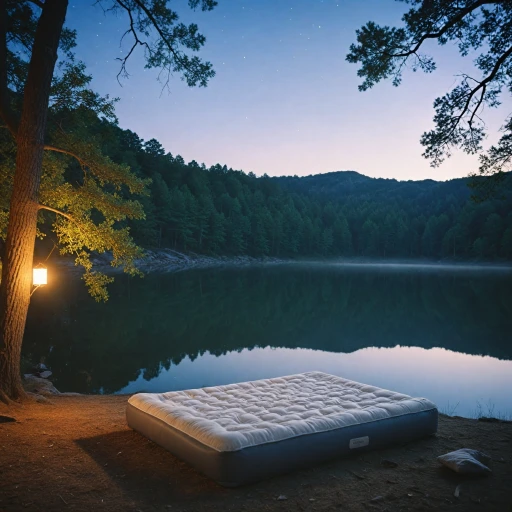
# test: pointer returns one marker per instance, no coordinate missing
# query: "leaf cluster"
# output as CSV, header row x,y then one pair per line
x,y
384,52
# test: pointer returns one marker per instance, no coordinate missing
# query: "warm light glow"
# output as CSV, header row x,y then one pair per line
x,y
39,276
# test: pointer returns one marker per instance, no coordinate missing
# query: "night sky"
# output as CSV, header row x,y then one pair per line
x,y
284,100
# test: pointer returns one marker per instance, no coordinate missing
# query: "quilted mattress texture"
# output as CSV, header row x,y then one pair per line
x,y
259,418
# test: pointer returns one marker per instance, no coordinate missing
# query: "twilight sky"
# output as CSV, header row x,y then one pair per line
x,y
284,100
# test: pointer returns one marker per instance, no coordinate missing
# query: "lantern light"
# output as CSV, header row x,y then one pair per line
x,y
39,276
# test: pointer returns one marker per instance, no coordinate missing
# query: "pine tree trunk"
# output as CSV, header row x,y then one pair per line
x,y
21,231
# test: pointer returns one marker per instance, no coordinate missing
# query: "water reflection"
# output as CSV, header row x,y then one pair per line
x,y
153,329
458,383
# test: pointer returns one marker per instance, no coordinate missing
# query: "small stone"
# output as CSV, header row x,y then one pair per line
x,y
281,497
377,498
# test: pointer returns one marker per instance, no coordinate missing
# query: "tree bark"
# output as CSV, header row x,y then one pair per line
x,y
21,231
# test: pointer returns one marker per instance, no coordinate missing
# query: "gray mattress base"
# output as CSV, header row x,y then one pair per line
x,y
254,463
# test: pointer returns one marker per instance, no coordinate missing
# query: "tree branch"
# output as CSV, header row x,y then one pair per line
x,y
447,26
483,86
65,152
176,55
59,212
151,18
137,41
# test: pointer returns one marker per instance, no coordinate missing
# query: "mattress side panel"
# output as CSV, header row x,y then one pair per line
x,y
259,462
255,463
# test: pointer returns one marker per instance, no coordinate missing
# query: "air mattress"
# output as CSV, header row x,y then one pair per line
x,y
248,431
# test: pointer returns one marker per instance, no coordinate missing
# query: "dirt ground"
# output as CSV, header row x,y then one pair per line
x,y
76,453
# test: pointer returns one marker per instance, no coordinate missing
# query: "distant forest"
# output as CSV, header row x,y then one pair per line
x,y
218,210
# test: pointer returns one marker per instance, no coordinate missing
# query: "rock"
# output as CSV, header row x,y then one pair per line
x,y
45,374
33,384
281,497
40,399
466,461
457,491
377,498
7,419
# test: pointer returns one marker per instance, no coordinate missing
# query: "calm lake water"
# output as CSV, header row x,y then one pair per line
x,y
441,332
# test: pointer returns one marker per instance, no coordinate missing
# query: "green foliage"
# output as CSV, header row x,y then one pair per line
x,y
89,194
92,196
384,53
94,199
223,211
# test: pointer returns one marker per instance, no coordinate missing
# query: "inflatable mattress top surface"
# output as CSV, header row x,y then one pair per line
x,y
237,416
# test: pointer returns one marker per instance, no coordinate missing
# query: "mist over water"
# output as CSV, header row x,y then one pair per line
x,y
439,331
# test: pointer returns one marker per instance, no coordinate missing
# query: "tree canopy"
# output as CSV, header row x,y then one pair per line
x,y
50,159
84,194
483,26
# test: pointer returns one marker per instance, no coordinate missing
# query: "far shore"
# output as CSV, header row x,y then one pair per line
x,y
168,260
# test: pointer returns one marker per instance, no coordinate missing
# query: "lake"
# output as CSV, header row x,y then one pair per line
x,y
442,332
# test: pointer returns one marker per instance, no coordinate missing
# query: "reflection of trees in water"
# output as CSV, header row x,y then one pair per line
x,y
157,321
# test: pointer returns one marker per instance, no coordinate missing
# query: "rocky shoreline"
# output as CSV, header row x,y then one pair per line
x,y
38,386
173,261
168,260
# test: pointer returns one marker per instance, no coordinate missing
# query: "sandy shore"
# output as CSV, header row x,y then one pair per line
x,y
76,453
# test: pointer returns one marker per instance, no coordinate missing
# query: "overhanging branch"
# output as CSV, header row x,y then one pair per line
x,y
157,27
482,87
66,152
447,26
59,212
138,42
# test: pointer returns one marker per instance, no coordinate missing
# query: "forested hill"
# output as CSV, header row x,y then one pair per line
x,y
342,184
218,210
427,218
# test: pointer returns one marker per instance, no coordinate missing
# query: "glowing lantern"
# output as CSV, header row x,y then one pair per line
x,y
39,276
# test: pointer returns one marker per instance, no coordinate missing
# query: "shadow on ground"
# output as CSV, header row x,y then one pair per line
x,y
147,472
150,475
